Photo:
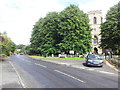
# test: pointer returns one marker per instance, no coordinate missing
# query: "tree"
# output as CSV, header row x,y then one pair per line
x,y
38,37
110,30
44,36
75,30
25,49
20,46
61,32
7,46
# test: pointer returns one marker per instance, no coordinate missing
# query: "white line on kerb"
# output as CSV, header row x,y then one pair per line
x,y
40,65
70,76
23,85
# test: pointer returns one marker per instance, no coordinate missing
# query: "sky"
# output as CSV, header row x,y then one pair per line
x,y
17,17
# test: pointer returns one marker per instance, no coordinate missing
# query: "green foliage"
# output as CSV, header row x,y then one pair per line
x,y
3,55
74,58
110,30
61,32
75,30
23,49
7,47
20,46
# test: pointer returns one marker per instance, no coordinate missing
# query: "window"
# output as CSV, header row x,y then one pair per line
x,y
94,20
95,40
93,56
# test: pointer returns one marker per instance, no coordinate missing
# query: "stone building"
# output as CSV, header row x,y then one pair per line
x,y
95,21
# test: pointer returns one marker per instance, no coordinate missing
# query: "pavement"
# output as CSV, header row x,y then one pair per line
x,y
8,75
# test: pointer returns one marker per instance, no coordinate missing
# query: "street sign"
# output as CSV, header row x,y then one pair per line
x,y
71,52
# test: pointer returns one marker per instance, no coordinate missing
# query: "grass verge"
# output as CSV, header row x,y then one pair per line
x,y
59,58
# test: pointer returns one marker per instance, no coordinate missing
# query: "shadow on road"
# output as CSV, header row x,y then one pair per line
x,y
84,64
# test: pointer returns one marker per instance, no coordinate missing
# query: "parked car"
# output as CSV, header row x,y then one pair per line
x,y
21,53
94,60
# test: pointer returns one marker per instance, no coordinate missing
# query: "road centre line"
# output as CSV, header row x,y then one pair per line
x,y
105,72
93,69
89,69
70,76
40,65
84,68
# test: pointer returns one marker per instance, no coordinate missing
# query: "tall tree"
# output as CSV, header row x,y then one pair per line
x,y
110,30
20,46
75,30
61,32
7,46
37,37
44,36
51,29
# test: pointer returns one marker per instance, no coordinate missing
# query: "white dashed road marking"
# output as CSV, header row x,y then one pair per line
x,y
70,76
92,69
84,68
40,65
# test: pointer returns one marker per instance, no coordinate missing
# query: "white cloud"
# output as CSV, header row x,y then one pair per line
x,y
103,5
17,17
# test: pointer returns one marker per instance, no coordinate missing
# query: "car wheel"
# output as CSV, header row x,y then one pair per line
x,y
87,64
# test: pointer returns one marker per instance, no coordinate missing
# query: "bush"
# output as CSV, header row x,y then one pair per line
x,y
3,55
116,62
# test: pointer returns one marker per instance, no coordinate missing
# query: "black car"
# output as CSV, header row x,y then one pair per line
x,y
94,60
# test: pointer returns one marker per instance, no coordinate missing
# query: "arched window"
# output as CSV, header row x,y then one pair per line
x,y
95,50
95,40
95,20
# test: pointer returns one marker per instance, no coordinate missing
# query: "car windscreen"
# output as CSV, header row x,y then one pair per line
x,y
93,56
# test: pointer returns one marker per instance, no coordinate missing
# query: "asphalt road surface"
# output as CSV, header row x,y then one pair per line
x,y
41,74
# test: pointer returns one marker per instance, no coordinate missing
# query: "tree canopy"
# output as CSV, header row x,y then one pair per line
x,y
110,30
62,32
20,46
7,46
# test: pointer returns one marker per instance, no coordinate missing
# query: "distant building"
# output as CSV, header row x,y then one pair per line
x,y
95,21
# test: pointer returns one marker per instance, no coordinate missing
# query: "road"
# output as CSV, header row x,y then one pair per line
x,y
41,74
